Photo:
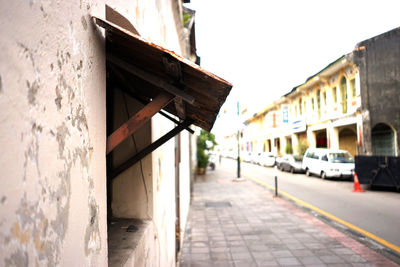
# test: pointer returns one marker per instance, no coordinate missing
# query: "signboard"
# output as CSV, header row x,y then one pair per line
x,y
285,113
299,125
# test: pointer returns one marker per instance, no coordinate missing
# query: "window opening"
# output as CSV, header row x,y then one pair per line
x,y
319,103
353,87
334,95
300,108
343,87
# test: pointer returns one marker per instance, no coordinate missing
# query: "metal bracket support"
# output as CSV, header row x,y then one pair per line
x,y
156,144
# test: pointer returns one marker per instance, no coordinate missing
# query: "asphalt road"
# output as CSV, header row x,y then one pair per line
x,y
377,212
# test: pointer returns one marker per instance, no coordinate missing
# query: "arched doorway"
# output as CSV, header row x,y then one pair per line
x,y
383,142
348,140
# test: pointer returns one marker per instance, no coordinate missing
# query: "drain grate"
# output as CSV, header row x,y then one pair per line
x,y
221,204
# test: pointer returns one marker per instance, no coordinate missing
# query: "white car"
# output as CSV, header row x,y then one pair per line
x,y
246,156
266,159
328,163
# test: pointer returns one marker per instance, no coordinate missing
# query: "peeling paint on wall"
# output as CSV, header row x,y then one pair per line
x,y
28,54
44,13
33,86
32,91
31,233
47,147
84,23
58,99
32,152
18,258
92,235
79,119
63,87
62,133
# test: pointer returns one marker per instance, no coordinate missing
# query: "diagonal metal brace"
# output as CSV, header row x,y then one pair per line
x,y
156,144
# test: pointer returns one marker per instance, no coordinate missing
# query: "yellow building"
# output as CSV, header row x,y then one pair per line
x,y
322,112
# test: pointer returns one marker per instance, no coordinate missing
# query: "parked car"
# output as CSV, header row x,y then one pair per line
x,y
247,156
253,157
266,159
257,157
328,163
278,160
291,163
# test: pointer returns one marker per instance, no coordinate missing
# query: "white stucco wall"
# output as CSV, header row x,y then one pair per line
x,y
52,134
153,20
185,174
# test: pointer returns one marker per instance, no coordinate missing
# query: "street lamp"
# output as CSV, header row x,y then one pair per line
x,y
238,141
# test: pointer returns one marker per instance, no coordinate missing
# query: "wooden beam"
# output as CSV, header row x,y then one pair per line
x,y
137,120
160,83
115,172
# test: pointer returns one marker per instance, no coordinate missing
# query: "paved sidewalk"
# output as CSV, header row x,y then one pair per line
x,y
241,224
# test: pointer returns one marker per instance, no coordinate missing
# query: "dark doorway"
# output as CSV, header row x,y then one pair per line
x,y
383,143
278,146
348,140
321,139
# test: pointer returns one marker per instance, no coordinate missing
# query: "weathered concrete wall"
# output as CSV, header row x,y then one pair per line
x,y
379,61
154,20
52,134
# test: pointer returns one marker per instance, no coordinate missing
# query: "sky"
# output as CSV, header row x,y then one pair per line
x,y
266,48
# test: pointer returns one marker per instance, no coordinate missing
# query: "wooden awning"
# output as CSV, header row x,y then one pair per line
x,y
160,79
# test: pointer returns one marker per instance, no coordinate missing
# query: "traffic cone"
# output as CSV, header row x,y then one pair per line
x,y
357,187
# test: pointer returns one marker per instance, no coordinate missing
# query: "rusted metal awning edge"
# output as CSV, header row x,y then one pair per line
x,y
111,26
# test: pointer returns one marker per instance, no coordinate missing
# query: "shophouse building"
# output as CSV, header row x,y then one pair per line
x,y
322,112
351,104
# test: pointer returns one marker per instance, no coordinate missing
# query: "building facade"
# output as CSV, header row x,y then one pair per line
x,y
378,60
351,104
322,112
73,73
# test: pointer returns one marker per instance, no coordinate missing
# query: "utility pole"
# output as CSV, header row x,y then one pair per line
x,y
238,141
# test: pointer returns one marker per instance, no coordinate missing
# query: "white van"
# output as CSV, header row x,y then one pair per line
x,y
328,163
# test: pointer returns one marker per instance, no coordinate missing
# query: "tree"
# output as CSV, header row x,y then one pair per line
x,y
302,147
205,141
289,149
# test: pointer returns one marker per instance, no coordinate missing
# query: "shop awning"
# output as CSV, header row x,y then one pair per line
x,y
160,79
